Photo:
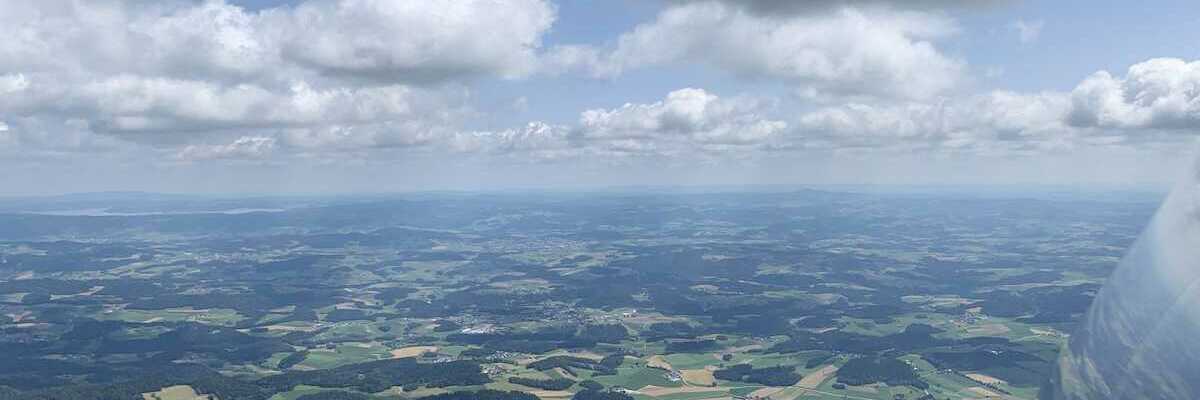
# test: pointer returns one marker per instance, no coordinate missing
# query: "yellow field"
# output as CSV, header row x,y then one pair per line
x,y
806,385
178,392
413,351
814,379
702,377
659,362
658,391
981,378
551,394
581,354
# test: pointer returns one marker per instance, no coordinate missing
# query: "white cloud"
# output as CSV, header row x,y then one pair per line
x,y
1028,31
1155,105
1157,94
404,40
689,115
693,124
175,112
536,141
361,72
850,51
246,147
12,84
361,80
164,105
364,136
387,40
995,122
688,123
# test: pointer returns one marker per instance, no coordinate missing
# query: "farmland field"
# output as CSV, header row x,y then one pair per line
x,y
803,294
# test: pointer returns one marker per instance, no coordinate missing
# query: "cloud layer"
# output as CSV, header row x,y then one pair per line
x,y
375,73
357,81
846,52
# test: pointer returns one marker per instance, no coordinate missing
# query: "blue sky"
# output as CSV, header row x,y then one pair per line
x,y
1078,38
360,95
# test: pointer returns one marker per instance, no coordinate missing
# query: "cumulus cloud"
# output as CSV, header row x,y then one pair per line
x,y
1161,94
357,79
537,141
1156,102
423,40
993,122
687,115
850,51
686,123
393,41
694,124
381,135
358,72
131,104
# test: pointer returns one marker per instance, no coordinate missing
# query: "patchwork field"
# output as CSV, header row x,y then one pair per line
x,y
792,294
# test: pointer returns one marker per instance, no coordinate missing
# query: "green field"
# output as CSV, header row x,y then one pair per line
x,y
343,354
219,316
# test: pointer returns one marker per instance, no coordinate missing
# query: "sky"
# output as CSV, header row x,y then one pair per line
x,y
343,96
